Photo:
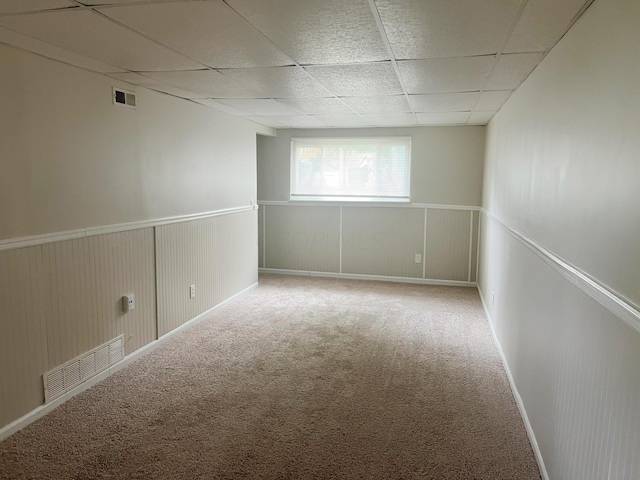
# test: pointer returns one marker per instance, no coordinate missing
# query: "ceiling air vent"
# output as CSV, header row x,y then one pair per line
x,y
124,98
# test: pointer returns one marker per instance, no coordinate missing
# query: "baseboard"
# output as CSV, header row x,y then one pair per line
x,y
42,410
516,394
377,278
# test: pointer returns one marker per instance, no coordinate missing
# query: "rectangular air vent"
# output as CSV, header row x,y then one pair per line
x,y
124,98
71,374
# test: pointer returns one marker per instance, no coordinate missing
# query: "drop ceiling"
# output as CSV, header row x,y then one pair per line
x,y
306,63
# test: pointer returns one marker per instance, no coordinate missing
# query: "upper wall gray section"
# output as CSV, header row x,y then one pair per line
x,y
71,159
446,162
563,154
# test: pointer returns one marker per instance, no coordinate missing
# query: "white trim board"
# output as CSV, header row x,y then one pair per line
x,y
42,410
35,240
516,395
359,276
609,299
302,203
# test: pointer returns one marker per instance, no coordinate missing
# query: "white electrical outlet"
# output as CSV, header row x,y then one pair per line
x,y
128,303
418,258
192,291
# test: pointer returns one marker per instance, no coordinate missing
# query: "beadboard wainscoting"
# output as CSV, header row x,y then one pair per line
x,y
571,348
218,255
59,299
370,241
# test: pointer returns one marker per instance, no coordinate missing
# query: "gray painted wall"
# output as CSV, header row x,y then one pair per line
x,y
561,184
379,239
446,162
70,159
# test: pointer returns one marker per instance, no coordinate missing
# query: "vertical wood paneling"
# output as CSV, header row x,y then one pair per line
x,y
261,213
474,246
303,238
23,345
84,282
575,364
448,244
382,241
371,241
219,255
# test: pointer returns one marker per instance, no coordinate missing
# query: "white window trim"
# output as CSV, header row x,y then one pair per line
x,y
344,141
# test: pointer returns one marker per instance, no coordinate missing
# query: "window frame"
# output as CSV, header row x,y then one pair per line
x,y
375,140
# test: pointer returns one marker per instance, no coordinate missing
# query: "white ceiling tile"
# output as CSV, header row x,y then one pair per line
x,y
542,24
318,106
480,118
218,106
118,2
210,32
90,34
444,102
301,122
23,6
279,82
511,70
268,121
358,80
492,100
453,28
442,75
401,120
260,106
394,104
295,121
150,83
207,83
317,32
442,118
341,120
55,53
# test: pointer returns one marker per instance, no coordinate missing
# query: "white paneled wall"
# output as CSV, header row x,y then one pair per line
x,y
449,244
23,337
85,279
379,241
382,241
560,260
301,238
218,255
61,299
573,361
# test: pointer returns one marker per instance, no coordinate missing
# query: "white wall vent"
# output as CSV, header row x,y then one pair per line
x,y
71,374
124,98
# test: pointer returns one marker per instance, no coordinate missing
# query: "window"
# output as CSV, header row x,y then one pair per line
x,y
351,169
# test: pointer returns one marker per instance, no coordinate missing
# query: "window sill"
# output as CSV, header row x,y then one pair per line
x,y
321,199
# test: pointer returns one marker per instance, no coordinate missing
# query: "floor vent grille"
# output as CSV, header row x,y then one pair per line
x,y
71,374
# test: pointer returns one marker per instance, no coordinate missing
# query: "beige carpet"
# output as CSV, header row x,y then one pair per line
x,y
303,378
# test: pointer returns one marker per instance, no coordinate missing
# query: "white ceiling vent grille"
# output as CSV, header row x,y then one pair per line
x,y
71,374
124,98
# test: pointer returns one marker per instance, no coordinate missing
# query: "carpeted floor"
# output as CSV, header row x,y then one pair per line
x,y
303,378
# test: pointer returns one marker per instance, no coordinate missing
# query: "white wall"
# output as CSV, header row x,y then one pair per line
x,y
562,170
379,239
446,162
70,159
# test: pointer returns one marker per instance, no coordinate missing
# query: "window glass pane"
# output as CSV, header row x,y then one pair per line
x,y
360,169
